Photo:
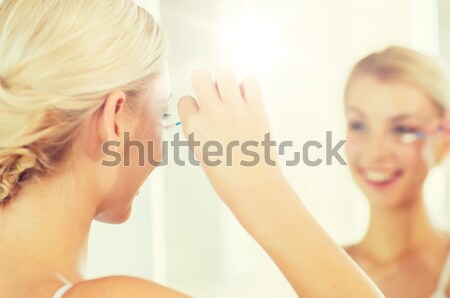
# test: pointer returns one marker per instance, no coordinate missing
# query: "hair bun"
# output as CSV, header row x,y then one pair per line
x,y
13,164
4,191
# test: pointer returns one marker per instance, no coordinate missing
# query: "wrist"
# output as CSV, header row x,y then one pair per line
x,y
260,186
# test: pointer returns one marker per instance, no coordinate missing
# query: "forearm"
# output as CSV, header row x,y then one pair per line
x,y
314,265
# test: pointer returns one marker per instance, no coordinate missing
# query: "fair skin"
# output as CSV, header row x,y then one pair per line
x,y
52,241
402,251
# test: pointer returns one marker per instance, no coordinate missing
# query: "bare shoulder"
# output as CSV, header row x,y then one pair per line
x,y
119,287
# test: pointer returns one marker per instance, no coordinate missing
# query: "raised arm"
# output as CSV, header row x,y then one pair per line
x,y
259,195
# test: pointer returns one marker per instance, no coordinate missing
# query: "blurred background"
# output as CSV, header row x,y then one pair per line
x,y
180,233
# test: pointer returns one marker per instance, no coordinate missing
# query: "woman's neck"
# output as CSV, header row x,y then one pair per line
x,y
47,226
397,232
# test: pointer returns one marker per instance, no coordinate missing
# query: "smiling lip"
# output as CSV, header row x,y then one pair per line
x,y
380,179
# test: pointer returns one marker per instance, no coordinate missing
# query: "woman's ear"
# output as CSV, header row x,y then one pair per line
x,y
110,121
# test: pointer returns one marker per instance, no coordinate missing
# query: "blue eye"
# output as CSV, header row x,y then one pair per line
x,y
402,129
356,126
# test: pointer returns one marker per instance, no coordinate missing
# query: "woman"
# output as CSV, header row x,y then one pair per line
x,y
76,74
391,98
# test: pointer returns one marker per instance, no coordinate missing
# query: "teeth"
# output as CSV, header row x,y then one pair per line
x,y
378,176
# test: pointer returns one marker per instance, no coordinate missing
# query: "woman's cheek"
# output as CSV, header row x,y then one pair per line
x,y
157,147
413,156
353,148
154,143
150,135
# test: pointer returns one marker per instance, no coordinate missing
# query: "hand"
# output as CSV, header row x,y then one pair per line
x,y
227,112
437,145
444,128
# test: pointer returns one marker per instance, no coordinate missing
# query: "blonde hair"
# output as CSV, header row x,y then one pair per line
x,y
59,61
406,65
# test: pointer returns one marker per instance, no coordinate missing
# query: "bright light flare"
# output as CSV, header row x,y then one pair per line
x,y
252,46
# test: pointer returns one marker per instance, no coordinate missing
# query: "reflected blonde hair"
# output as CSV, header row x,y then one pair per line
x,y
406,65
59,61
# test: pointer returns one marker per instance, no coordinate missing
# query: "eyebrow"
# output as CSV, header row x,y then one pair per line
x,y
396,118
403,117
355,110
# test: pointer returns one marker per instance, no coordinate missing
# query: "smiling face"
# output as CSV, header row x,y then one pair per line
x,y
379,113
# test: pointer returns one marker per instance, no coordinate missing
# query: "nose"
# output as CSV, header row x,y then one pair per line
x,y
378,148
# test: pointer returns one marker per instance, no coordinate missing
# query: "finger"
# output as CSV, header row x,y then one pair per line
x,y
442,125
187,106
204,87
433,127
251,90
228,85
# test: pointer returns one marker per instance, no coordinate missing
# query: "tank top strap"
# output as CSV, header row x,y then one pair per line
x,y
61,291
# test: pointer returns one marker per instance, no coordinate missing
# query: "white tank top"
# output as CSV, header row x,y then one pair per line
x,y
443,280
